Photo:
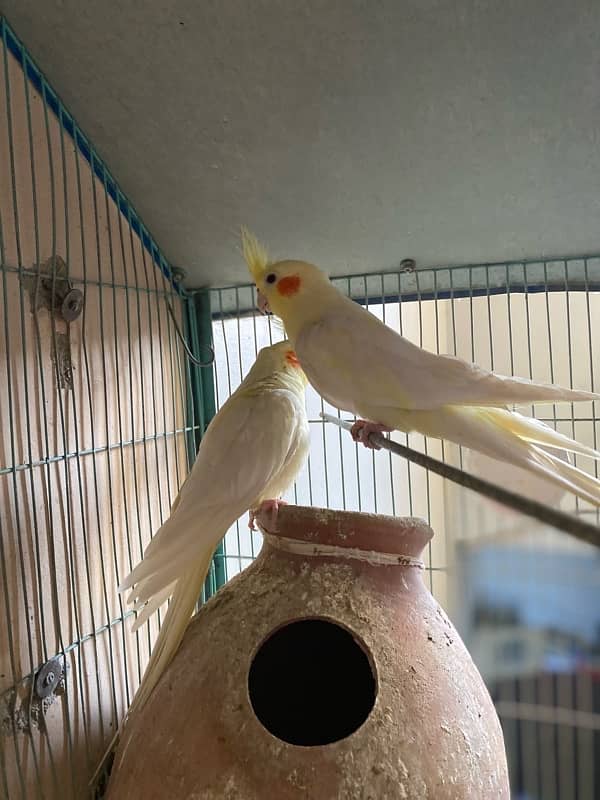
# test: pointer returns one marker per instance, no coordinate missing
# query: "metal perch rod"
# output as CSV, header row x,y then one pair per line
x,y
584,531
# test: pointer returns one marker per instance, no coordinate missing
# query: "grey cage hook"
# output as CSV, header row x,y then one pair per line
x,y
188,352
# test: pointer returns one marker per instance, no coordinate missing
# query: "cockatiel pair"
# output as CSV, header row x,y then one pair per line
x,y
257,443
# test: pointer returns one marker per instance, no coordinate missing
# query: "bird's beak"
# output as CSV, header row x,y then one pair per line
x,y
262,303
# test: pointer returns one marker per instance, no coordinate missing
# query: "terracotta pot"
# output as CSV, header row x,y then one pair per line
x,y
331,639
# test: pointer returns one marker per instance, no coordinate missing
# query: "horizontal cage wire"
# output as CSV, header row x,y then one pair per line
x,y
102,414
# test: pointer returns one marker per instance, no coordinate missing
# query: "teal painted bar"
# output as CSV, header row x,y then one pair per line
x,y
203,389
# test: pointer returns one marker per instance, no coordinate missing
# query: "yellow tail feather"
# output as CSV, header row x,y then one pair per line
x,y
524,442
181,607
505,436
183,601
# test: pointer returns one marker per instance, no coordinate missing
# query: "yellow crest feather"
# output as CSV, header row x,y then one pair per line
x,y
255,255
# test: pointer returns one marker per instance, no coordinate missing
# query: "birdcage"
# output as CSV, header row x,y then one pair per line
x,y
105,393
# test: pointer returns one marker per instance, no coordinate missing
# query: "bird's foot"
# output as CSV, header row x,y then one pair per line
x,y
362,429
268,509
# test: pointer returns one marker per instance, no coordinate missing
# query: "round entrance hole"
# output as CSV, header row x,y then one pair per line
x,y
311,683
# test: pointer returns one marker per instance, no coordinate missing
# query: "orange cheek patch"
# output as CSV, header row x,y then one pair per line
x,y
289,285
292,358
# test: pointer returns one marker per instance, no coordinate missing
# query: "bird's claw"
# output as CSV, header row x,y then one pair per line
x,y
268,508
362,429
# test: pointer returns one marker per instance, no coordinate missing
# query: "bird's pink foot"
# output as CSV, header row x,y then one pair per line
x,y
268,510
362,429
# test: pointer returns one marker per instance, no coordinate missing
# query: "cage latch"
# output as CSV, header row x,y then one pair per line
x,y
49,288
48,677
24,706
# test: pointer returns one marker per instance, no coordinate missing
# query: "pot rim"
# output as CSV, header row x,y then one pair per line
x,y
377,538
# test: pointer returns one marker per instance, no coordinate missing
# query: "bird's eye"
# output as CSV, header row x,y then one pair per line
x,y
271,277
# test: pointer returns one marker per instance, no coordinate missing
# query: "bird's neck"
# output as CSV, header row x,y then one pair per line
x,y
306,310
274,381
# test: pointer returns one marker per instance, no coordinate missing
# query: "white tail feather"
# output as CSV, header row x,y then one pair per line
x,y
536,458
185,595
532,430
145,611
564,474
510,437
183,601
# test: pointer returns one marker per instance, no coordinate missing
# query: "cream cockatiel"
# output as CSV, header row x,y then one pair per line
x,y
250,454
360,365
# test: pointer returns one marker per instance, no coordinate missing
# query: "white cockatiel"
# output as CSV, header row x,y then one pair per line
x,y
250,454
360,365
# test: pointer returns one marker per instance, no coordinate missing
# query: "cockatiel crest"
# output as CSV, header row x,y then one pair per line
x,y
287,288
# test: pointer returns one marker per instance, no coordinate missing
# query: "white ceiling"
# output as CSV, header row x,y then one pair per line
x,y
351,133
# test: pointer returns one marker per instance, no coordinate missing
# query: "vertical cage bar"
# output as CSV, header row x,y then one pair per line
x,y
119,405
203,391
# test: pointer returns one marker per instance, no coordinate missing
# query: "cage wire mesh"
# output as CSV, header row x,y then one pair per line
x,y
102,413
97,427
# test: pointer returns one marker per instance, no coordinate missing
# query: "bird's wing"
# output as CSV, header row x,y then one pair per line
x,y
354,360
246,445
